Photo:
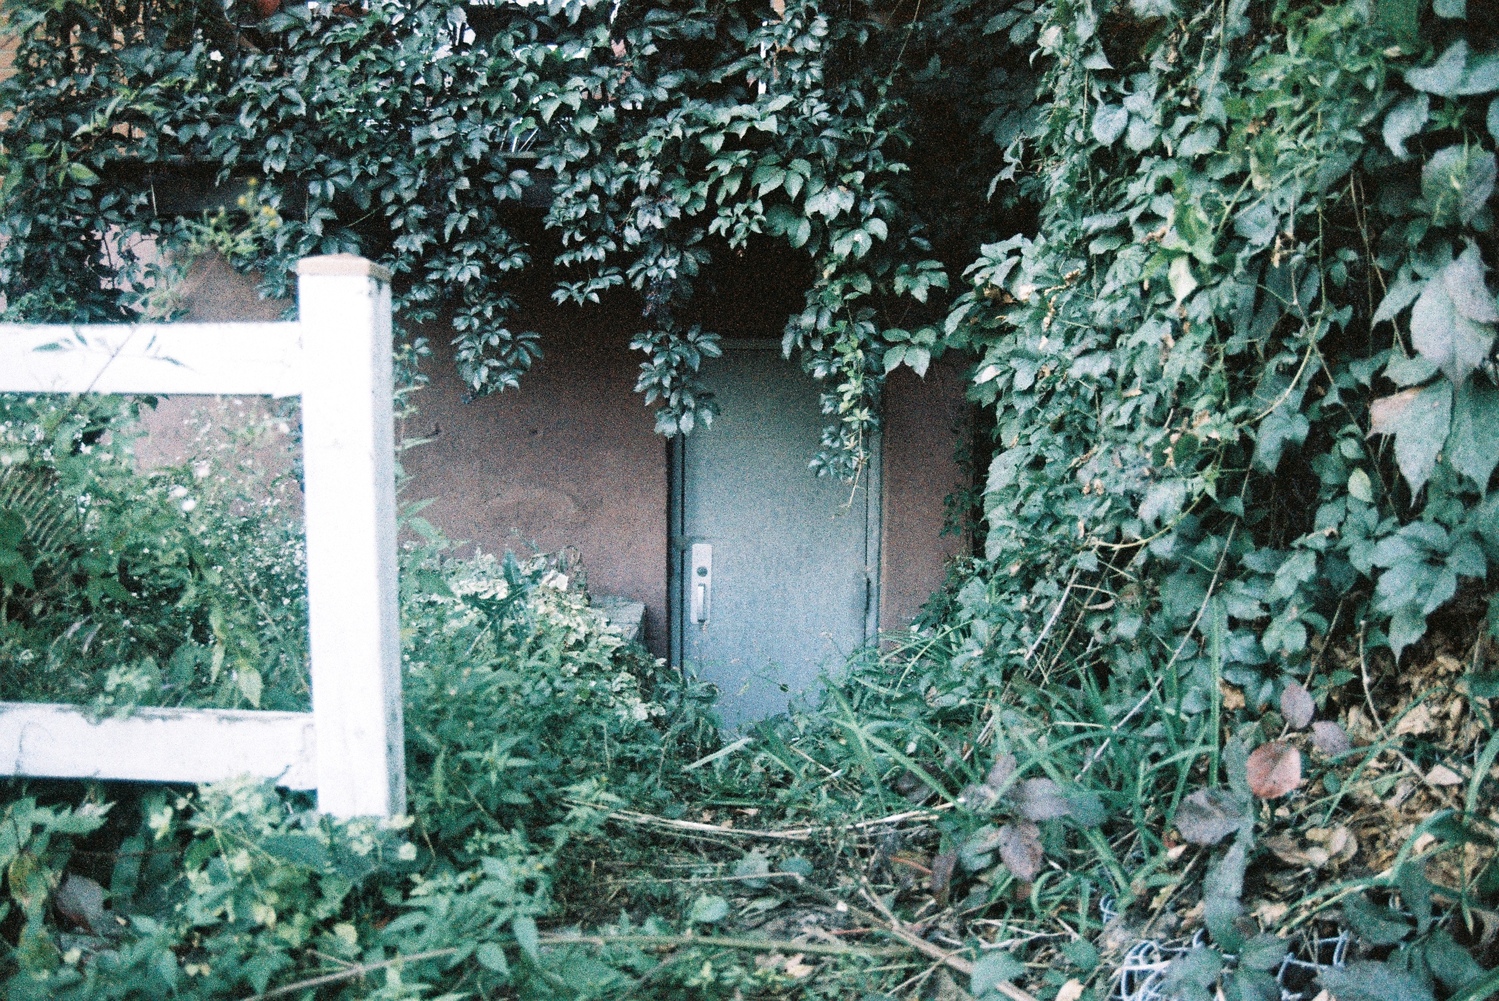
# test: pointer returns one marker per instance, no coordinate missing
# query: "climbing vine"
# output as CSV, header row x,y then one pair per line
x,y
654,140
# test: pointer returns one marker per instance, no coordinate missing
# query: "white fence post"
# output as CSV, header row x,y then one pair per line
x,y
349,464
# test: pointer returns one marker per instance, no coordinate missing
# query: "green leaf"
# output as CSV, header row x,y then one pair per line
x,y
1163,501
1464,281
1109,122
994,968
1360,486
492,957
1473,447
1375,925
795,864
1082,954
250,684
1263,952
753,865
1419,420
1451,963
708,909
1366,981
1444,76
1183,282
1407,626
1207,816
1445,337
1402,18
1453,75
299,849
1457,182
1400,295
1493,118
1450,8
1151,9
1192,976
524,927
1405,120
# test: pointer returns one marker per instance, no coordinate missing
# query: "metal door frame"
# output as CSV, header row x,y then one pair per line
x,y
677,542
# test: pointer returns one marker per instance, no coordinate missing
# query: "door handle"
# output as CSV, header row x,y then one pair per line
x,y
700,580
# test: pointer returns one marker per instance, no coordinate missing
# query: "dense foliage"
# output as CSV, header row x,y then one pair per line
x,y
655,138
1226,292
180,585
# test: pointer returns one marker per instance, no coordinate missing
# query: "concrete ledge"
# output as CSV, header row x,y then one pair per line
x,y
626,616
343,265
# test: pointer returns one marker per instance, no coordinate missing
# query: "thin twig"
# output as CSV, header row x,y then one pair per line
x,y
949,959
349,974
1363,670
789,834
697,827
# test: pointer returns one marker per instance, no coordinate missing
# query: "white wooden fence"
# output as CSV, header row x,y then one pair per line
x,y
337,357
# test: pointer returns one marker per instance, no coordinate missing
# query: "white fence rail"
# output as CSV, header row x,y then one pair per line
x,y
337,357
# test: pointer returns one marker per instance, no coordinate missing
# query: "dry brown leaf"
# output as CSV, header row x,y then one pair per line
x,y
1329,738
1285,848
1020,849
1296,705
1233,698
1415,722
1339,841
1071,990
1269,913
797,969
1441,775
1274,769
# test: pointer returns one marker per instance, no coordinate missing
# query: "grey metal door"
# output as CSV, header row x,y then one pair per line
x,y
775,573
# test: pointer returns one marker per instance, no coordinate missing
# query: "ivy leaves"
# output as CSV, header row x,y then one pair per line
x,y
648,162
1452,326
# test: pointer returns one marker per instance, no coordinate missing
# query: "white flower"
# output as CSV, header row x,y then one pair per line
x,y
188,505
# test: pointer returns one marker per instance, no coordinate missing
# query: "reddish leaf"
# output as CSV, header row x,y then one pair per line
x,y
1020,849
1329,738
1296,705
1208,816
1040,799
1273,769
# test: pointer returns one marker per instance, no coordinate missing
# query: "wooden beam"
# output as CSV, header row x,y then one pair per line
x,y
155,358
45,740
348,461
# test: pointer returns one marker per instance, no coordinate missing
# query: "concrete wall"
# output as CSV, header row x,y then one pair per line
x,y
571,458
925,418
